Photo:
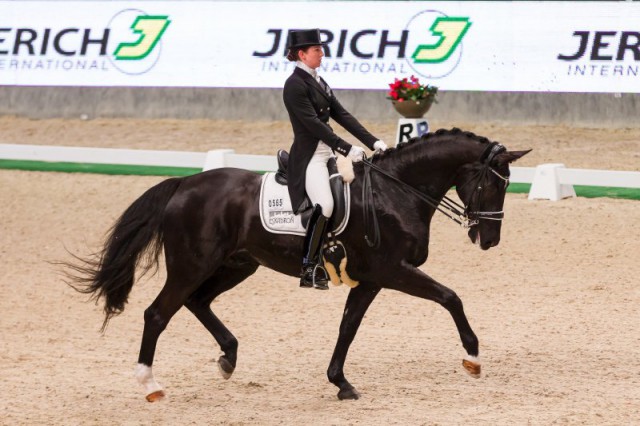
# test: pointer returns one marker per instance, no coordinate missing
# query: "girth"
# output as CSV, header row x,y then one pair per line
x,y
336,183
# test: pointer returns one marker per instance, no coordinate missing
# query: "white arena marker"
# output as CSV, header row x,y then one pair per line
x,y
216,159
411,128
546,184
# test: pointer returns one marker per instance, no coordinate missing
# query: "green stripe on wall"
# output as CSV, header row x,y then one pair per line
x,y
124,169
607,191
586,191
520,188
105,169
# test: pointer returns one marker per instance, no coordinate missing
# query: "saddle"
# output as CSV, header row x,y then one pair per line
x,y
339,191
277,216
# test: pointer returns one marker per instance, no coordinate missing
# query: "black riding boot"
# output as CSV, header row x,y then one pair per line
x,y
313,273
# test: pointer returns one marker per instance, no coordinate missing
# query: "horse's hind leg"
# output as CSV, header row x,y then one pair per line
x,y
411,280
184,276
156,317
199,303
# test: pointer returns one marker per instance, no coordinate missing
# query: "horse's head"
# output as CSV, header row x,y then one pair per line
x,y
482,186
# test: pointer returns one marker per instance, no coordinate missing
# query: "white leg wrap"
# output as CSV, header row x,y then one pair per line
x,y
474,359
145,378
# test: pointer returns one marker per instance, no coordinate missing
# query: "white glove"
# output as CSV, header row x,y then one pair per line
x,y
380,146
356,154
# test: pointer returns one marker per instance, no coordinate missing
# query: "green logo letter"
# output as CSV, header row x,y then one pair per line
x,y
451,31
150,29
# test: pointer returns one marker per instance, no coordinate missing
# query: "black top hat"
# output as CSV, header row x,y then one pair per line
x,y
303,38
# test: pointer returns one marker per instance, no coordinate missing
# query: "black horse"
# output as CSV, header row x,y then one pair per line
x,y
213,239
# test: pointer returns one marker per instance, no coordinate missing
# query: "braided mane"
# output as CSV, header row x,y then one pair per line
x,y
424,138
444,132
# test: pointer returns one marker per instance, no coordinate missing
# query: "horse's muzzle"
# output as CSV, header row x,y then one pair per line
x,y
486,243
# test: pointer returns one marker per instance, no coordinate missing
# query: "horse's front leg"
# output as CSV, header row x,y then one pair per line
x,y
413,281
358,302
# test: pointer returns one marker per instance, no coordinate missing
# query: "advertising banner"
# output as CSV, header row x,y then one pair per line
x,y
478,46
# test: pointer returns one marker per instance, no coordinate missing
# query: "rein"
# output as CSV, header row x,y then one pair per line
x,y
450,208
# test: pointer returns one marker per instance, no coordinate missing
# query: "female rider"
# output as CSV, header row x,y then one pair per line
x,y
310,103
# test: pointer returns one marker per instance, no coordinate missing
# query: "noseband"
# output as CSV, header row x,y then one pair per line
x,y
450,208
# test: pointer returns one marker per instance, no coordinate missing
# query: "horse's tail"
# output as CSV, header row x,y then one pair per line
x,y
136,239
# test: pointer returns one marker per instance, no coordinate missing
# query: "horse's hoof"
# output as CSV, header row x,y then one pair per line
x,y
472,365
225,367
155,396
350,393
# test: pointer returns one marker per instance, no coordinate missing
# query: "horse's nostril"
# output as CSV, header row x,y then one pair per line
x,y
487,244
493,243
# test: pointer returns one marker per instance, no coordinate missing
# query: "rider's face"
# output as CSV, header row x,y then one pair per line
x,y
312,57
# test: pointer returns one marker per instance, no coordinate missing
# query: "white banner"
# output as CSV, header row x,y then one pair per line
x,y
479,46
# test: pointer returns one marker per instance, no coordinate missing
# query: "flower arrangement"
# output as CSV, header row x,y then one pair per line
x,y
411,90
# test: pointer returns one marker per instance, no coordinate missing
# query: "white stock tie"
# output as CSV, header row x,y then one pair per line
x,y
317,77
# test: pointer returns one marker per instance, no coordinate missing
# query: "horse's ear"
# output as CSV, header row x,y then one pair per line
x,y
510,156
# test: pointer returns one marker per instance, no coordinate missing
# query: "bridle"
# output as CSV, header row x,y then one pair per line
x,y
486,159
450,208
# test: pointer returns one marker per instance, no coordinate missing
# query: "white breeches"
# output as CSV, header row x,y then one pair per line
x,y
317,179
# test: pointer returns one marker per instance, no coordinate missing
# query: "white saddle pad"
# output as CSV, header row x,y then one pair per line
x,y
276,212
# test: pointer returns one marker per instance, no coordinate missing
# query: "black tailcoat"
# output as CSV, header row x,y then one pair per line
x,y
310,106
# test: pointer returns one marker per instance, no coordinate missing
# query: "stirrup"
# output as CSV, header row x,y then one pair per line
x,y
314,276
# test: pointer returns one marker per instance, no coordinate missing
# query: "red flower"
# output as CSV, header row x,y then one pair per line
x,y
396,84
411,89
